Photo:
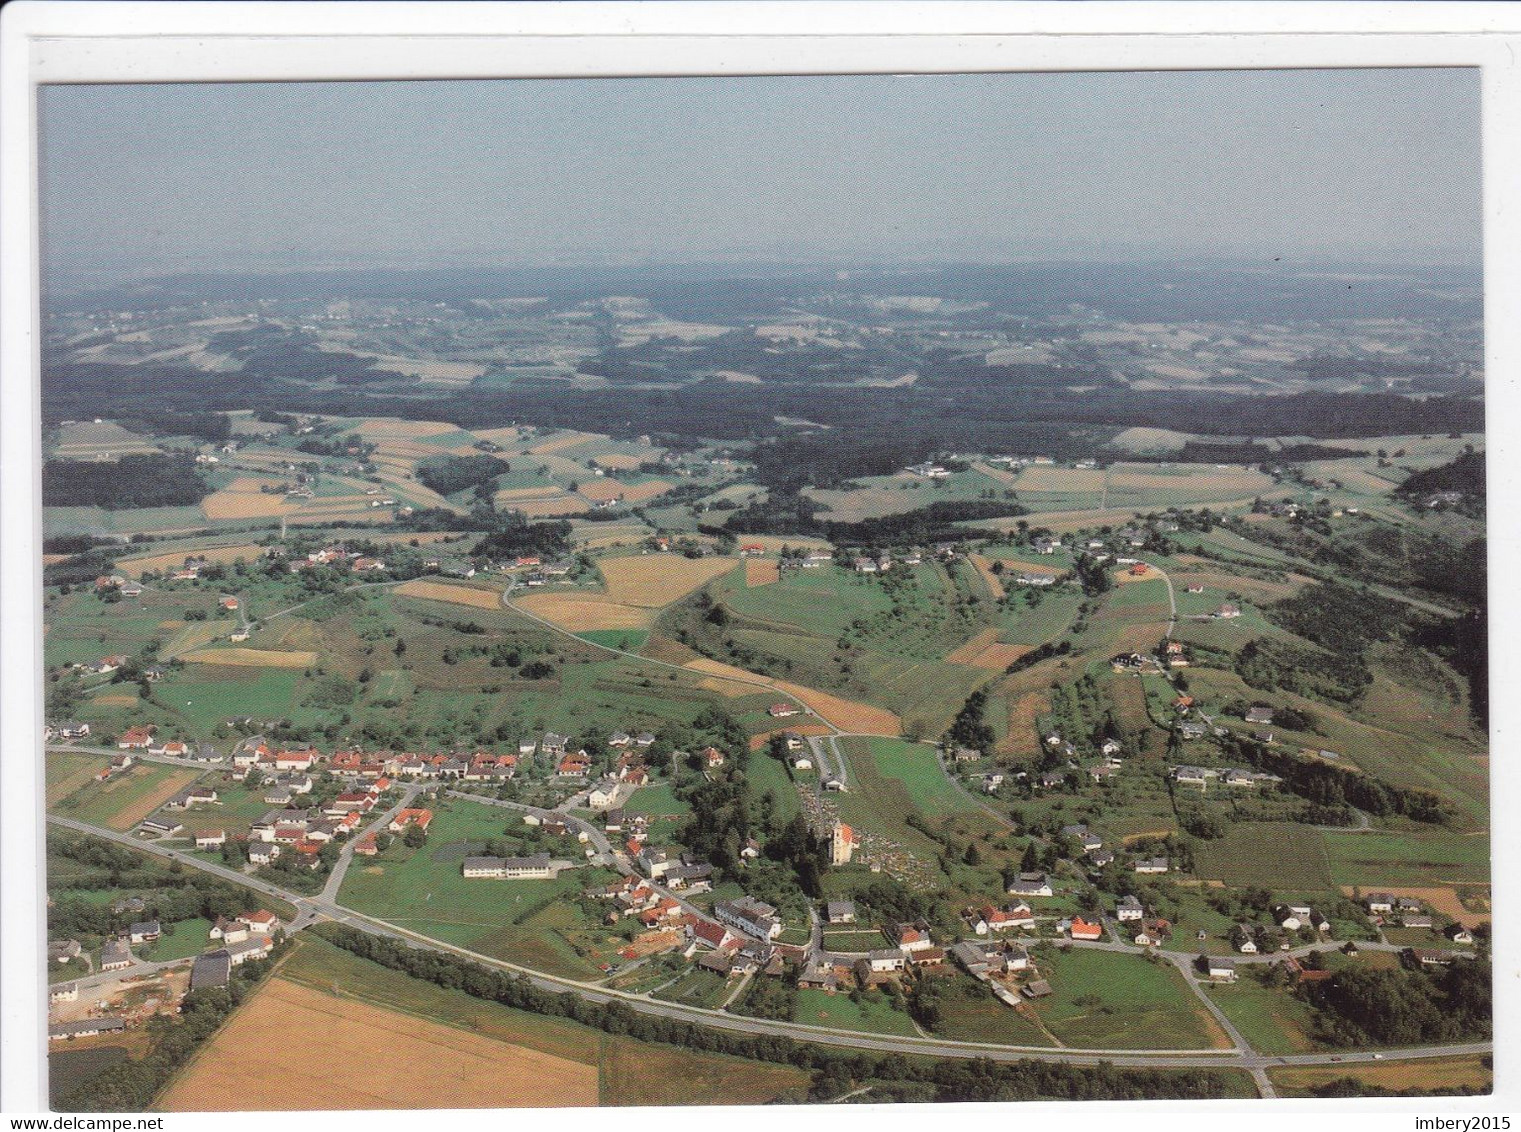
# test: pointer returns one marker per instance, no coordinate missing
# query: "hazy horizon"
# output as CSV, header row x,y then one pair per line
x,y
1312,168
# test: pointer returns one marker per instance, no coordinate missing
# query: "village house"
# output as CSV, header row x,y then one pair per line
x,y
508,868
61,951
63,992
1147,865
840,912
136,738
909,937
211,969
783,710
115,954
145,932
1082,929
1221,968
749,915
1030,884
1129,908
987,918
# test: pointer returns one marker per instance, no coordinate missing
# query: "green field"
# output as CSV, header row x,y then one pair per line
x,y
873,1015
630,1072
1108,1000
1271,1020
1282,856
904,772
1415,858
625,640
189,938
100,803
204,695
970,1013
767,775
534,922
698,988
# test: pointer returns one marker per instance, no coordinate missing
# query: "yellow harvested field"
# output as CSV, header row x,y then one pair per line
x,y
1124,576
562,441
599,490
1463,1072
992,580
222,555
964,654
251,658
1232,481
113,699
1142,439
262,1061
1020,737
999,474
510,493
129,815
242,499
719,668
1045,478
847,715
1020,566
577,613
665,649
763,571
618,462
550,508
454,594
657,580
380,429
500,436
427,370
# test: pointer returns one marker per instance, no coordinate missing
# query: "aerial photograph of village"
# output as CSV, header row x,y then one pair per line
x,y
765,590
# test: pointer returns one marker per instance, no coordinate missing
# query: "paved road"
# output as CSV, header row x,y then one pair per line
x,y
140,968
1239,1058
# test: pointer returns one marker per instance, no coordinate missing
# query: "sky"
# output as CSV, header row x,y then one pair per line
x,y
1371,166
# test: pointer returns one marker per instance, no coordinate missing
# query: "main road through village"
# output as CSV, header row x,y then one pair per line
x,y
324,906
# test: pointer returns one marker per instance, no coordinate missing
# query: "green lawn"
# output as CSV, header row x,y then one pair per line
x,y
1109,1000
534,922
873,1015
204,695
658,800
1271,1020
189,938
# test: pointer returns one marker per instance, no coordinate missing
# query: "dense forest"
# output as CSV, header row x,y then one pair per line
x,y
150,480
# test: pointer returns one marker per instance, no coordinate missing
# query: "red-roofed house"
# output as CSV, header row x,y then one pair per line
x,y
714,935
1082,929
712,757
576,765
366,846
783,710
419,817
136,738
296,760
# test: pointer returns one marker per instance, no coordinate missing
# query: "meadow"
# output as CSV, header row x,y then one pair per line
x,y
1104,999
